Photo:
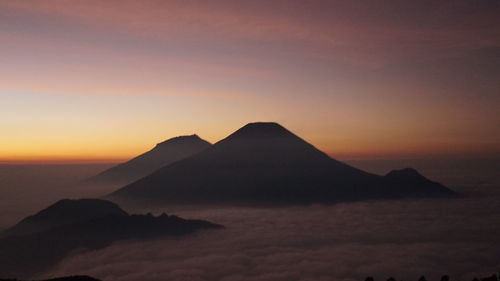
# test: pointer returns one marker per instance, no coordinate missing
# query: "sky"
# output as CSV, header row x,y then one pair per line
x,y
97,81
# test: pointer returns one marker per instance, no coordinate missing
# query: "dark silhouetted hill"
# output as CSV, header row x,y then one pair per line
x,y
266,163
162,154
65,212
25,254
412,183
493,277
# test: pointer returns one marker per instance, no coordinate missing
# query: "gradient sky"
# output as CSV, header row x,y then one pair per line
x,y
105,80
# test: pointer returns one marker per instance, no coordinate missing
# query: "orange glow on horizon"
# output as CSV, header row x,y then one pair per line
x,y
106,80
341,150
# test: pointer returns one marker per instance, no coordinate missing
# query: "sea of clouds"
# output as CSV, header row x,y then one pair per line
x,y
405,239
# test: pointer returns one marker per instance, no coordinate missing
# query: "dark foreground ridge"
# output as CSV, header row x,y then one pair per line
x,y
26,253
162,154
65,212
68,278
266,163
493,277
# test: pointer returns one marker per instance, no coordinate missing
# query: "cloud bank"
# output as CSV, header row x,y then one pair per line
x,y
404,239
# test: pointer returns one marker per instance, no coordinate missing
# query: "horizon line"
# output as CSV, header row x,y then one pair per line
x,y
340,157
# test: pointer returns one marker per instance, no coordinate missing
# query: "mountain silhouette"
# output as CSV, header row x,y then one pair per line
x,y
412,183
162,154
25,254
266,163
63,212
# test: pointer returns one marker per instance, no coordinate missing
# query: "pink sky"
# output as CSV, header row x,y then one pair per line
x,y
88,80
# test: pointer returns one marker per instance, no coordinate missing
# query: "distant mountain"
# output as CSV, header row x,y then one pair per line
x,y
22,255
68,278
65,212
266,163
162,154
411,183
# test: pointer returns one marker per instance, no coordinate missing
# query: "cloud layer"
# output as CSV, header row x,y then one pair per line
x,y
343,242
405,239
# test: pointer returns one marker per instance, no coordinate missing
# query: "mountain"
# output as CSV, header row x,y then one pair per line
x,y
411,183
266,163
162,154
25,254
65,212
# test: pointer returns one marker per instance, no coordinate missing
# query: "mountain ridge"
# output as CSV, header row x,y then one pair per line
x,y
25,254
163,153
63,212
264,162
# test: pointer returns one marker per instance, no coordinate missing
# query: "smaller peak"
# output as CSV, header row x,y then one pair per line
x,y
406,173
66,211
82,204
181,139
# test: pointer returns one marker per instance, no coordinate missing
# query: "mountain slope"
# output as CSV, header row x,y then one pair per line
x,y
409,182
162,154
23,255
263,162
63,212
